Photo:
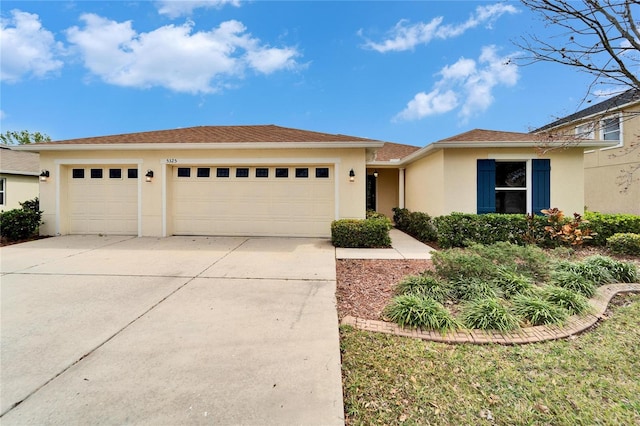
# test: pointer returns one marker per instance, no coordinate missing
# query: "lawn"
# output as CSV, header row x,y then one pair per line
x,y
589,379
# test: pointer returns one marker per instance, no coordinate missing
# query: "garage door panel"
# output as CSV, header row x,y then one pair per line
x,y
253,206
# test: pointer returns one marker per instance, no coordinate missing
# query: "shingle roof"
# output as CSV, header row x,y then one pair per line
x,y
15,162
393,151
611,104
481,135
216,134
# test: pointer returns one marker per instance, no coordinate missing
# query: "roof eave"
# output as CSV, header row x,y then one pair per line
x,y
197,146
18,172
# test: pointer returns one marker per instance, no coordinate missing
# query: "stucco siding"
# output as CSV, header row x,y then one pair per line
x,y
425,185
387,191
18,189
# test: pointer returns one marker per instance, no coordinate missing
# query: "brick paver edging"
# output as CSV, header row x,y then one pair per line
x,y
574,325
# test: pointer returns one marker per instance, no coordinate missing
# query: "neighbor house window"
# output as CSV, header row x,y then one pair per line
x,y
322,172
132,173
203,172
96,173
222,172
262,172
184,171
242,172
611,130
115,173
77,173
282,172
513,186
585,131
3,191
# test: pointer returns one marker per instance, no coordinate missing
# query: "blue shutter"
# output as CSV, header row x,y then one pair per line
x,y
486,198
541,182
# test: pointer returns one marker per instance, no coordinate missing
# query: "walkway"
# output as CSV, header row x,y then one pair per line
x,y
404,247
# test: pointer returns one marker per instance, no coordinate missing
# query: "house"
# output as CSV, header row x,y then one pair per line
x,y
276,181
612,173
18,177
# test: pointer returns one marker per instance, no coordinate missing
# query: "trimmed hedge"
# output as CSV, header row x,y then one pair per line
x,y
606,225
361,233
20,224
417,224
624,243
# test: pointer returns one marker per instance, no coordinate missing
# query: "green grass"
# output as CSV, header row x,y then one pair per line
x,y
592,379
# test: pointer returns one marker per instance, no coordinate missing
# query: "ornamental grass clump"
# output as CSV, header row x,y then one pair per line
x,y
528,259
624,272
574,303
512,283
474,288
538,311
425,285
454,264
488,314
591,271
420,312
572,280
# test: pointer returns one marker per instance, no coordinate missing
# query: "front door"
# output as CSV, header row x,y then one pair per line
x,y
371,193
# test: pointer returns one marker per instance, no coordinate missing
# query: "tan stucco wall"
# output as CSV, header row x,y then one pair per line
x,y
387,190
604,169
350,201
18,189
446,181
425,185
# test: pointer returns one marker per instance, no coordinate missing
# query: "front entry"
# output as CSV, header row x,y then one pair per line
x,y
371,193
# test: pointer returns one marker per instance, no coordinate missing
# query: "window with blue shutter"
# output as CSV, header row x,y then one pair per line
x,y
541,185
486,196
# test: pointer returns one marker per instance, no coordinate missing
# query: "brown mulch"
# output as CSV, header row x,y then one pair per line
x,y
365,287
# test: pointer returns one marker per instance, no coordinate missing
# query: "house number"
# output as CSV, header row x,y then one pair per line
x,y
172,160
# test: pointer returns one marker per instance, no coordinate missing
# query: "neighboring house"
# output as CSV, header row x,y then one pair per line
x,y
611,174
18,177
276,181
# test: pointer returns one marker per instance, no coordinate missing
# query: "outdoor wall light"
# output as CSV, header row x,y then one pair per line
x,y
149,175
352,175
44,175
375,173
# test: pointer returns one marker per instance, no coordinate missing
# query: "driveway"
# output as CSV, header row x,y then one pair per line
x,y
179,330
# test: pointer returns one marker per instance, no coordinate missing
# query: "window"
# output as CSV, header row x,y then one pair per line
x,y
132,173
115,173
513,186
322,172
585,131
203,172
96,173
302,172
3,191
282,172
610,129
262,172
242,172
184,172
77,173
222,172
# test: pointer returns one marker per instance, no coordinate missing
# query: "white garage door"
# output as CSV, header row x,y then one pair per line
x,y
261,201
102,200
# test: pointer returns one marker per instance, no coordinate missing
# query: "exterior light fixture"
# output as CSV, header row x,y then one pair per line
x,y
149,175
375,173
44,175
352,175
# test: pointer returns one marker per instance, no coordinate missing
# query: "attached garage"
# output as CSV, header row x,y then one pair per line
x,y
102,199
262,200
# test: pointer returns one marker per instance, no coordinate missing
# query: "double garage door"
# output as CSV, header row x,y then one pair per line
x,y
284,200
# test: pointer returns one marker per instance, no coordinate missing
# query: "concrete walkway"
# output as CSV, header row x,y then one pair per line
x,y
180,330
403,247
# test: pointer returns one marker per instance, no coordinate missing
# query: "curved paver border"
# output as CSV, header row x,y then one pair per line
x,y
574,325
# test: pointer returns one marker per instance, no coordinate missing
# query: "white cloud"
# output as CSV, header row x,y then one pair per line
x,y
404,36
27,48
175,9
173,56
467,84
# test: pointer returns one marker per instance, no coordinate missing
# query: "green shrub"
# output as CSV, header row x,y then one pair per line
x,y
538,311
624,243
624,272
454,264
425,285
416,224
474,288
417,311
593,271
528,259
23,223
607,225
363,233
512,283
572,302
488,314
572,280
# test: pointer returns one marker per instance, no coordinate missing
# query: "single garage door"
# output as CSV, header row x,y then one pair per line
x,y
254,201
103,200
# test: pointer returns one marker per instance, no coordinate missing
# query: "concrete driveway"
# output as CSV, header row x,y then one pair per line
x,y
179,330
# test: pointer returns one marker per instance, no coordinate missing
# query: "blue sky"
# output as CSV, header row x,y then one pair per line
x,y
407,72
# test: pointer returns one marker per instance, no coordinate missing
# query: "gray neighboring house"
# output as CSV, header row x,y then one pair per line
x,y
19,177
